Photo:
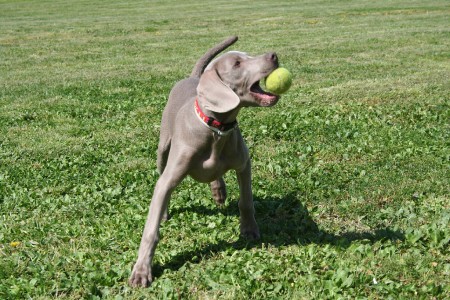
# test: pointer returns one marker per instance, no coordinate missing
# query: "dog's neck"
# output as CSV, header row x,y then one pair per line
x,y
220,123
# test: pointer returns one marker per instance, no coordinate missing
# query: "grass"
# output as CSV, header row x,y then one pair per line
x,y
350,169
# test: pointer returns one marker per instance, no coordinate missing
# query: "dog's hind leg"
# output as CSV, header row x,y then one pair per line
x,y
219,191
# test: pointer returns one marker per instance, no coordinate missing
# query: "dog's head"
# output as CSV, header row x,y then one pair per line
x,y
232,80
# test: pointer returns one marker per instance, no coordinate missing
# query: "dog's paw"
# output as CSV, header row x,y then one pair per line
x,y
219,191
250,232
140,276
165,217
219,196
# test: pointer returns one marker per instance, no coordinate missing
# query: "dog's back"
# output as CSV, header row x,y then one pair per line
x,y
182,93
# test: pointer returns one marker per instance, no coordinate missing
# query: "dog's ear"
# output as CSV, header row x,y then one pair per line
x,y
215,95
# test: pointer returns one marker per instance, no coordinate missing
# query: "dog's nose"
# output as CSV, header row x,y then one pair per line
x,y
272,56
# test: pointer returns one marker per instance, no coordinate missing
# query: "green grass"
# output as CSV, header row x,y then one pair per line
x,y
350,169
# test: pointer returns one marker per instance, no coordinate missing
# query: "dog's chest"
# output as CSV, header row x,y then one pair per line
x,y
217,160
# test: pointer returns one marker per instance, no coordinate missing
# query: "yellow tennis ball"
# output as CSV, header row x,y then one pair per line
x,y
279,81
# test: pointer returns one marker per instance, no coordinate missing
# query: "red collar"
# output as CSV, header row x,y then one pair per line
x,y
216,126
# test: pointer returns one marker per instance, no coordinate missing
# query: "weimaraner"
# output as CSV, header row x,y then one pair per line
x,y
200,137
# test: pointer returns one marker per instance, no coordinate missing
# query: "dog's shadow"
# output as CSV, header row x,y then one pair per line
x,y
282,221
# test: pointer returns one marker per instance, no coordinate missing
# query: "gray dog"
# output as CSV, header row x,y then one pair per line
x,y
200,137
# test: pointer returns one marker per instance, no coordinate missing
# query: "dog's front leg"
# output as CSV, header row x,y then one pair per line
x,y
141,274
249,228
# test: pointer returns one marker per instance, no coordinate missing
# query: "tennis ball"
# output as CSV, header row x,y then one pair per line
x,y
279,81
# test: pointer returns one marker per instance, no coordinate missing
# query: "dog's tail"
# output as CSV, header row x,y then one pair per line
x,y
210,54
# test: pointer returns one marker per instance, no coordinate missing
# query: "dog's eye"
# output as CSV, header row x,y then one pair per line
x,y
237,63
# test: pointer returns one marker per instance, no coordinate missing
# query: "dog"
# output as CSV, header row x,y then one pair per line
x,y
200,137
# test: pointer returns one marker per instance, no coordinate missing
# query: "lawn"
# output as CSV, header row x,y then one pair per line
x,y
351,169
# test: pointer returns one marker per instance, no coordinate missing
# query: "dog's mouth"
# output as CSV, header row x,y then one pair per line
x,y
264,98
